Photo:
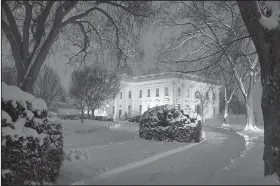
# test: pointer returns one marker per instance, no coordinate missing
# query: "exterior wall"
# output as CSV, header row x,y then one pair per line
x,y
172,98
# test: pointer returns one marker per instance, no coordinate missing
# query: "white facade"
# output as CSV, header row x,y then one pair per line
x,y
143,92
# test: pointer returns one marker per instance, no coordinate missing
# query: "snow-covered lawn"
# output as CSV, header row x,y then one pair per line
x,y
75,126
81,163
91,148
248,168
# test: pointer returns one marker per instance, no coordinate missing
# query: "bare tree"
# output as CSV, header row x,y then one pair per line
x,y
32,27
92,87
262,21
213,36
48,86
203,100
104,85
78,89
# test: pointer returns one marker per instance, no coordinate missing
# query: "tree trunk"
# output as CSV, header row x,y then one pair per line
x,y
250,120
92,113
271,108
267,44
225,122
88,116
271,117
82,116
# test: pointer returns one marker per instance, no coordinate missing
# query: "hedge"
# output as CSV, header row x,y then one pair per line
x,y
31,142
169,123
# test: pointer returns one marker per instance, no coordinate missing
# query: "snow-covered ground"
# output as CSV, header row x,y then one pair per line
x,y
87,161
97,146
75,126
91,150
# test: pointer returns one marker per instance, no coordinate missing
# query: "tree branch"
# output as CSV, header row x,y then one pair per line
x,y
25,32
11,22
125,8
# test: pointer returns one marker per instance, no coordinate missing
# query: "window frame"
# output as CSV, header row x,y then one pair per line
x,y
166,91
157,92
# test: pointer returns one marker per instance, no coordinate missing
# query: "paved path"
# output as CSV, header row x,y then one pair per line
x,y
216,161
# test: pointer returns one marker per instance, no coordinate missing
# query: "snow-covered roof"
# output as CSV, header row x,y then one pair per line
x,y
169,75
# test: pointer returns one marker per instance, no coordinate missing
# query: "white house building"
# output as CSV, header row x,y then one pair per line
x,y
138,94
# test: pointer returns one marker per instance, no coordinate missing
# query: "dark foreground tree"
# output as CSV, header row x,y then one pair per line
x,y
263,24
9,75
32,27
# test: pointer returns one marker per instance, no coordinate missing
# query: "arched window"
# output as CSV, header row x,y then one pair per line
x,y
197,94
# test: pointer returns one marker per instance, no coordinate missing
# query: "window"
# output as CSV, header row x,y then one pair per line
x,y
148,93
214,110
121,95
140,93
197,95
140,109
113,110
129,94
207,96
129,110
187,92
120,113
157,92
214,96
148,106
166,91
179,106
178,91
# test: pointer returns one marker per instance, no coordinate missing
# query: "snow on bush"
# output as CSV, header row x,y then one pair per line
x,y
32,144
169,123
77,154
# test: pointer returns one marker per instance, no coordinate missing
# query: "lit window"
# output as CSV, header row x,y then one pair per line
x,y
140,94
157,92
148,93
129,94
129,110
178,91
166,91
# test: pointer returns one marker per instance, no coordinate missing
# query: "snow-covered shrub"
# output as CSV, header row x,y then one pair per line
x,y
32,143
103,118
169,123
71,116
